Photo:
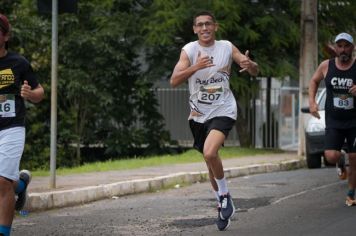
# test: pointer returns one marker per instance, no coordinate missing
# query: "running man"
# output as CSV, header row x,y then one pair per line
x,y
206,65
18,82
339,74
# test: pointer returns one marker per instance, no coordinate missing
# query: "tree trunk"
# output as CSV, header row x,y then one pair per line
x,y
308,59
242,128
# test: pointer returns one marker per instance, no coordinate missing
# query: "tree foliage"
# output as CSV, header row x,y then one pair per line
x,y
104,99
334,17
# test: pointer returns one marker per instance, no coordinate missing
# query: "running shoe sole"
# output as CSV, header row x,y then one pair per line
x,y
350,202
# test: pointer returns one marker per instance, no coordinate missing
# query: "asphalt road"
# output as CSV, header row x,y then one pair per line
x,y
300,202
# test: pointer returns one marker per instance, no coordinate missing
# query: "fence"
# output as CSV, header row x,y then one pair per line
x,y
272,120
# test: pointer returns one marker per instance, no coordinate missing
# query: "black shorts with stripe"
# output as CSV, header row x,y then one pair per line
x,y
201,130
335,138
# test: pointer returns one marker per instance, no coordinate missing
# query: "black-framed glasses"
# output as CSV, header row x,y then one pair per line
x,y
207,24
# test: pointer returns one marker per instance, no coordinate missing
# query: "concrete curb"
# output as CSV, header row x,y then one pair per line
x,y
57,199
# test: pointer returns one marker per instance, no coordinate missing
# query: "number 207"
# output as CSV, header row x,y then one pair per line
x,y
210,97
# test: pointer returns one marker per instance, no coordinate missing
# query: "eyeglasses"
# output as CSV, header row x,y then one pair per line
x,y
207,24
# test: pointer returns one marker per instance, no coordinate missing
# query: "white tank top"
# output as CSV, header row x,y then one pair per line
x,y
210,94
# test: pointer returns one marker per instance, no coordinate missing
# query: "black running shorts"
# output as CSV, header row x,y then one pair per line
x,y
335,138
201,130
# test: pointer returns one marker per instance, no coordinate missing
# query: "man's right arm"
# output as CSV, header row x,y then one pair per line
x,y
183,69
318,75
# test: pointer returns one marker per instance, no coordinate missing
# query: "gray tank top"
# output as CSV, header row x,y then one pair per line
x,y
210,94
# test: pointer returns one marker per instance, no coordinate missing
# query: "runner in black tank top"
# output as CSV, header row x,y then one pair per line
x,y
340,105
340,109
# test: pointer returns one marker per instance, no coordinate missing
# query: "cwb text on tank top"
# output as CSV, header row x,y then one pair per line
x,y
341,83
342,99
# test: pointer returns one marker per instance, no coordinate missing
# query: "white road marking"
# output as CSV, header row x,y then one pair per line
x,y
305,191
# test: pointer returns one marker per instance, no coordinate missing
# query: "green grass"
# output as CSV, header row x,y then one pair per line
x,y
189,156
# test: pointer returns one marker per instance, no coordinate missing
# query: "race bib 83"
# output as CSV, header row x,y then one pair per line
x,y
343,101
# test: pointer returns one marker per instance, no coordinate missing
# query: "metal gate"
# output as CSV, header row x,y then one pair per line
x,y
275,127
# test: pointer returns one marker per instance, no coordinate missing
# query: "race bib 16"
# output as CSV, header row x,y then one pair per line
x,y
7,105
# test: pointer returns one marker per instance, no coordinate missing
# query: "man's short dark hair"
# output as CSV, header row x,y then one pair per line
x,y
4,24
204,13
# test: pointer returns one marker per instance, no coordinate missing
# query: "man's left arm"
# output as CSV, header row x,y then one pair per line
x,y
33,95
352,90
244,61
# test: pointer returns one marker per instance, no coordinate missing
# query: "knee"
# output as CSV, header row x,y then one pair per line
x,y
332,156
209,156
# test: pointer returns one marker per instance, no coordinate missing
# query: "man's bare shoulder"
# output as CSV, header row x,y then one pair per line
x,y
325,62
323,67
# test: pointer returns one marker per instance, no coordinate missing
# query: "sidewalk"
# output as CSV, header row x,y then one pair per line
x,y
83,188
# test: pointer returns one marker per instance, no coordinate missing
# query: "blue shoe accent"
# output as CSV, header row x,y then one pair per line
x,y
25,176
21,186
5,230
